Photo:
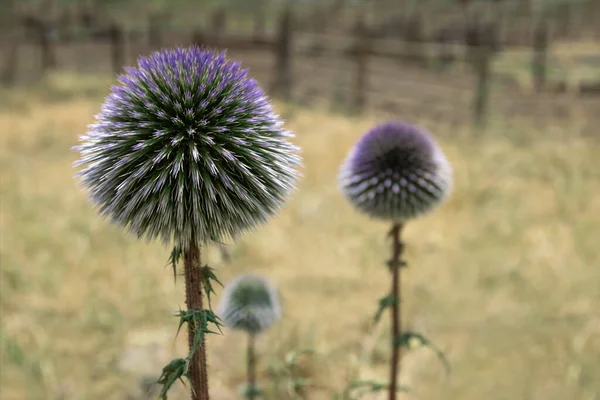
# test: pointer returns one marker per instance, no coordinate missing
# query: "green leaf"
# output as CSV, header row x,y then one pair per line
x,y
401,264
182,319
200,324
405,339
174,259
384,303
171,372
199,320
207,276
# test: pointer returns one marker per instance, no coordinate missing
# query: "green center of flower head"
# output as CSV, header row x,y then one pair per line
x,y
188,148
253,293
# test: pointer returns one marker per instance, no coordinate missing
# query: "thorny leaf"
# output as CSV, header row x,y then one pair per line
x,y
358,388
207,276
401,264
171,372
405,339
384,303
199,319
182,319
174,259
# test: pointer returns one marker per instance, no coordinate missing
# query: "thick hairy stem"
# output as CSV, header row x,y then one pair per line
x,y
251,360
193,296
396,265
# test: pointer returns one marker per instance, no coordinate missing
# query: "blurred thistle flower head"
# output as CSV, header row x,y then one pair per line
x,y
187,147
396,172
249,303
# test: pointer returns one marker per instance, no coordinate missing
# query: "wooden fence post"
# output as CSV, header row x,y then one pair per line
x,y
8,74
361,54
540,54
413,36
317,24
47,51
282,84
117,47
155,21
198,38
219,26
259,21
8,29
482,58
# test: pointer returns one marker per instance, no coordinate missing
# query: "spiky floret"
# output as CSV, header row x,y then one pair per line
x,y
395,172
249,303
187,147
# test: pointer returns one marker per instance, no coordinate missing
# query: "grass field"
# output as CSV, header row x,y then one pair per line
x,y
504,277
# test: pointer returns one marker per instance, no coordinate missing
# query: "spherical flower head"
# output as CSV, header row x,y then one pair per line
x,y
187,148
249,303
396,172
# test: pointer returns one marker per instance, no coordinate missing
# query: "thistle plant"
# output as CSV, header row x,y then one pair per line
x,y
396,172
250,304
187,149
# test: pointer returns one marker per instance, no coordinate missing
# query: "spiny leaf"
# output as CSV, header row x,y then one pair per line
x,y
174,259
207,276
183,317
406,338
384,303
171,372
401,264
200,320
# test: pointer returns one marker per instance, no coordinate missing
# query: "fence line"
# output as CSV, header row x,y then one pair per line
x,y
288,47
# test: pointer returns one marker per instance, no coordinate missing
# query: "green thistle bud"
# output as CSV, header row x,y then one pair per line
x,y
249,303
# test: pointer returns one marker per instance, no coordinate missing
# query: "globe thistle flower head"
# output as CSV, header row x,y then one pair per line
x,y
249,303
395,172
187,147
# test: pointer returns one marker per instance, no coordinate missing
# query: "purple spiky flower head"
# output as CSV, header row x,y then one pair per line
x,y
187,147
396,172
249,303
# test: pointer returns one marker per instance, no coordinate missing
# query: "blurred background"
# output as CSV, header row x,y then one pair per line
x,y
503,278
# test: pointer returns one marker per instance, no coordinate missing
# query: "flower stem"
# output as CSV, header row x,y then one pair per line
x,y
198,373
396,264
251,360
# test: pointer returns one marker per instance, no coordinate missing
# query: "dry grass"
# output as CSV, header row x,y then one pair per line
x,y
504,277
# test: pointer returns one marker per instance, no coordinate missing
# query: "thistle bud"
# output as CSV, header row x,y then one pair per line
x,y
249,303
396,172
